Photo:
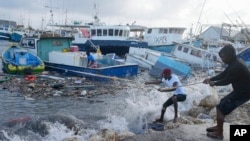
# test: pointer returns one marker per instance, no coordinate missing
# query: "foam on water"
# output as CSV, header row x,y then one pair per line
x,y
141,104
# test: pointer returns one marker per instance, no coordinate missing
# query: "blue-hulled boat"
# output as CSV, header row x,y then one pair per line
x,y
109,38
56,54
17,60
245,55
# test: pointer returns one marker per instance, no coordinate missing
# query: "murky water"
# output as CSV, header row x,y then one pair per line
x,y
127,109
89,110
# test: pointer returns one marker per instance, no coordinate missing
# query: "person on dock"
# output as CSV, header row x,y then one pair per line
x,y
237,74
179,94
91,60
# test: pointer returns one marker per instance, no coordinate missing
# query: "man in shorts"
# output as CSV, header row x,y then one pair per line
x,y
237,74
179,94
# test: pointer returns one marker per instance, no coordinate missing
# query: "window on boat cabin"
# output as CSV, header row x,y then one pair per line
x,y
185,50
171,30
126,34
116,32
31,44
180,31
174,31
93,32
179,47
149,30
195,52
208,55
111,32
163,30
28,43
105,32
120,33
99,32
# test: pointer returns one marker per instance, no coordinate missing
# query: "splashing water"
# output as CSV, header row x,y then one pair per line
x,y
130,109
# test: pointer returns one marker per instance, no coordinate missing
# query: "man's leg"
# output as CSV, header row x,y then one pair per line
x,y
163,110
175,109
164,107
218,133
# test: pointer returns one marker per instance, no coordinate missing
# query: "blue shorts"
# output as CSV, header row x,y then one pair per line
x,y
231,102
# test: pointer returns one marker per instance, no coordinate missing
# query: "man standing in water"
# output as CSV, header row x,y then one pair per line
x,y
236,74
175,85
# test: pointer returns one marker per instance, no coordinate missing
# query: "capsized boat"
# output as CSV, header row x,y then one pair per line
x,y
17,60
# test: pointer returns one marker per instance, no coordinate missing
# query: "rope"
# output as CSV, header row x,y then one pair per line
x,y
191,84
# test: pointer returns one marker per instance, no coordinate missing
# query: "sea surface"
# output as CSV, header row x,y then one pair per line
x,y
126,110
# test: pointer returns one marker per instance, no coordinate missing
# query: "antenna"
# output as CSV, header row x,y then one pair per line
x,y
51,20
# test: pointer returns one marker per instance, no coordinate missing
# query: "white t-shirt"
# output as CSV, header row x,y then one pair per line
x,y
169,83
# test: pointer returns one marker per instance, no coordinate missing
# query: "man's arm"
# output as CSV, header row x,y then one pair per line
x,y
166,89
154,82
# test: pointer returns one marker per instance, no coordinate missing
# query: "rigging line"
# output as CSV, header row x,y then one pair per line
x,y
228,18
200,16
236,13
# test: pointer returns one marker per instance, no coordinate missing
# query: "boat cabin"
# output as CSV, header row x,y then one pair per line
x,y
158,36
109,32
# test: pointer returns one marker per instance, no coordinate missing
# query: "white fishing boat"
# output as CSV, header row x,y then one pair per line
x,y
197,57
162,38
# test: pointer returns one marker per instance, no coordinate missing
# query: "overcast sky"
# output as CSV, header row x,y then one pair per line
x,y
150,13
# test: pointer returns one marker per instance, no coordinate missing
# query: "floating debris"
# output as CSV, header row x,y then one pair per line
x,y
53,85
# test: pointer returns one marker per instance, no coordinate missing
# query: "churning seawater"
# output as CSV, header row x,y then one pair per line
x,y
128,110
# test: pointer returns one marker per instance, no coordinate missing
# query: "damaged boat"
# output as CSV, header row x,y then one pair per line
x,y
59,55
17,60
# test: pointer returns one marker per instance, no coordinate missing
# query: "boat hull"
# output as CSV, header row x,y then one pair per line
x,y
105,73
12,69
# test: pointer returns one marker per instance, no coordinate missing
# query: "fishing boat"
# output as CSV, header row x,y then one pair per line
x,y
60,55
109,38
197,58
156,61
17,60
163,38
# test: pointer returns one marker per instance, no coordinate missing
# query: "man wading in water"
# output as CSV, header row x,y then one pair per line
x,y
175,85
236,74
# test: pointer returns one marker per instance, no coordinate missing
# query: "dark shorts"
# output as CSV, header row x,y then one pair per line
x,y
179,98
231,102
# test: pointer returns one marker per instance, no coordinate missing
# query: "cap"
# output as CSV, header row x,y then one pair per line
x,y
166,71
